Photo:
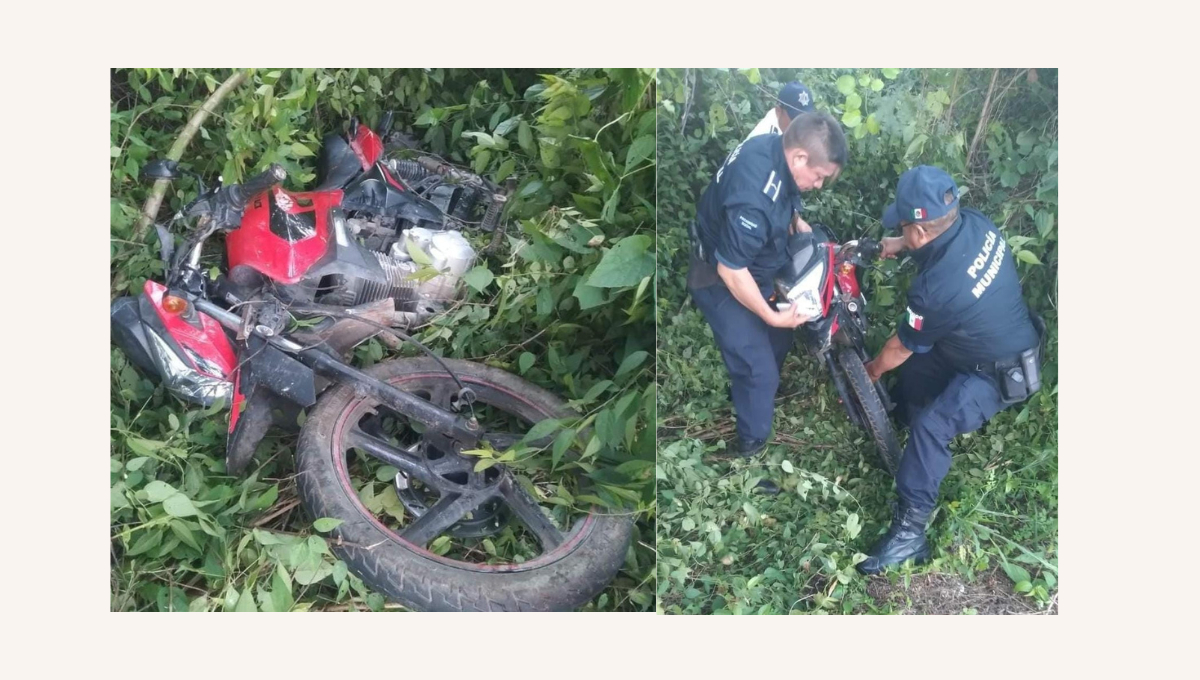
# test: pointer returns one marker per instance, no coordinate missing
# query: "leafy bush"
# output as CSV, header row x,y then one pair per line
x,y
724,549
566,304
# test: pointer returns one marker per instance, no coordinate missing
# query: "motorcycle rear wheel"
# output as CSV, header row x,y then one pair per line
x,y
573,567
871,408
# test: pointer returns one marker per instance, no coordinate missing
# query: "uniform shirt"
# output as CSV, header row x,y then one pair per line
x,y
769,125
745,212
966,299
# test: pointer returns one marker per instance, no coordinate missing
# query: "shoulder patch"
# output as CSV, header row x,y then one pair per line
x,y
772,188
915,320
746,223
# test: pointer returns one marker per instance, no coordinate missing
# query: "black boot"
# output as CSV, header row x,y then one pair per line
x,y
747,448
904,540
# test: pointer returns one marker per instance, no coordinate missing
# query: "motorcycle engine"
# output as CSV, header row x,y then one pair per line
x,y
406,278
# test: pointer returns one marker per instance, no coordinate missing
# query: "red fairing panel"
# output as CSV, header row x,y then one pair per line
x,y
238,400
367,146
209,342
846,280
299,238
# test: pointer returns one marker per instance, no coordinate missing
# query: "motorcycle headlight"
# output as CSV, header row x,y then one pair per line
x,y
184,381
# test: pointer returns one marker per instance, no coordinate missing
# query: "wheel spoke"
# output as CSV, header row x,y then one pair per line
x,y
399,458
530,513
440,517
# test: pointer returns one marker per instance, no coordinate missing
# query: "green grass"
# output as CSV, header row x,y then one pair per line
x,y
724,548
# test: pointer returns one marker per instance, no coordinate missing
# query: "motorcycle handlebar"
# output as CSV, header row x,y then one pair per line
x,y
240,194
869,249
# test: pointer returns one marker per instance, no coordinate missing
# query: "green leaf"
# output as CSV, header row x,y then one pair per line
x,y
541,429
787,466
481,161
245,602
1016,572
876,85
143,447
327,524
526,362
1028,257
505,170
751,512
890,73
852,119
281,590
479,278
589,296
853,102
631,362
179,506
845,84
301,151
415,252
642,148
525,138
625,264
872,124
852,526
157,492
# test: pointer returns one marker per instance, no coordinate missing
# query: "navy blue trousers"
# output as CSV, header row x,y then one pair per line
x,y
938,403
753,354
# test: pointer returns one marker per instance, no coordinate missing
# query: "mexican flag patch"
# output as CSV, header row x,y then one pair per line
x,y
915,320
918,213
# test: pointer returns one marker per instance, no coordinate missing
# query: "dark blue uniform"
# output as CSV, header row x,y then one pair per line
x,y
965,313
742,222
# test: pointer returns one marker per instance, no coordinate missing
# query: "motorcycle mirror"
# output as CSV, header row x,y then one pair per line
x,y
161,169
353,127
385,123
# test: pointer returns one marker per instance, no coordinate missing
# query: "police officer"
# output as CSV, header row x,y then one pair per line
x,y
740,239
967,347
793,100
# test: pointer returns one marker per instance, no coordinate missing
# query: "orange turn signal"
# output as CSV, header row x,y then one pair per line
x,y
174,305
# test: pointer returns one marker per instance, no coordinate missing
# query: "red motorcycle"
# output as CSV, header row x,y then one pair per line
x,y
375,249
824,281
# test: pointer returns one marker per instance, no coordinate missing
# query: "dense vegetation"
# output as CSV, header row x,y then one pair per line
x,y
724,549
566,303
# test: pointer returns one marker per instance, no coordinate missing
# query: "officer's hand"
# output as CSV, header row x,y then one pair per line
x,y
892,246
799,226
873,371
788,318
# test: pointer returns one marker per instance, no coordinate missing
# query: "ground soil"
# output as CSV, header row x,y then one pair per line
x,y
990,593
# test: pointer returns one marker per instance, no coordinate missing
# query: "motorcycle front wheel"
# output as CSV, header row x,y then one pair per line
x,y
421,545
870,407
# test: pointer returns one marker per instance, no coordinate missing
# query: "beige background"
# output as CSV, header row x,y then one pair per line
x,y
1129,390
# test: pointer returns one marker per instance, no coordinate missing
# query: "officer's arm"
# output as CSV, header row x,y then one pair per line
x,y
745,290
892,355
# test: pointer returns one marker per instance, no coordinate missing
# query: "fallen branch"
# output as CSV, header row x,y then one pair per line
x,y
983,116
154,201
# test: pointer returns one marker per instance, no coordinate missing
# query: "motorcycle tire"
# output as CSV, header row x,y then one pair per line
x,y
871,408
562,579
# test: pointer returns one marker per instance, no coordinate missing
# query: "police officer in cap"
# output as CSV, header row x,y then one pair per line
x,y
967,347
793,100
740,238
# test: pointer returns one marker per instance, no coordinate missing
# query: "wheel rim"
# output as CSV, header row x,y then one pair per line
x,y
464,510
